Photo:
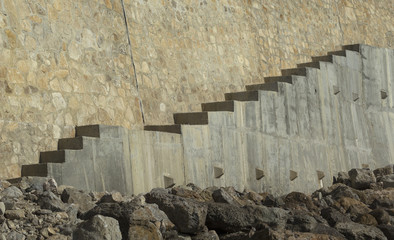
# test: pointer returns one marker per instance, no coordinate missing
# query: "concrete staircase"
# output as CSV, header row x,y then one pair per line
x,y
290,133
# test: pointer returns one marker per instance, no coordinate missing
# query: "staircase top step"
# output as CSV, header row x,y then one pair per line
x,y
352,47
58,156
70,143
314,64
294,71
338,53
175,128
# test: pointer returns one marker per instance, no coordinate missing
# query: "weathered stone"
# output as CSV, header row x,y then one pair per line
x,y
112,197
14,214
353,230
223,196
15,236
361,178
326,230
381,216
208,235
297,200
187,215
380,172
2,208
229,218
343,177
83,200
333,216
301,221
388,230
367,219
11,192
388,181
48,200
99,227
146,230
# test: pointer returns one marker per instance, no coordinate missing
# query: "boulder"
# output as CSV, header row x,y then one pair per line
x,y
2,208
380,172
301,221
228,218
334,216
82,199
188,215
98,227
49,200
11,192
353,230
206,235
14,214
146,230
298,200
367,219
388,181
388,230
228,195
343,177
326,230
361,178
381,216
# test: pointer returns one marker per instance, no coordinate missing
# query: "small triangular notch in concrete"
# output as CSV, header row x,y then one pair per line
x,y
320,175
355,97
383,94
336,89
259,173
168,182
293,175
218,172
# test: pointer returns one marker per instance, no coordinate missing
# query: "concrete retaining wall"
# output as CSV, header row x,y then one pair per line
x,y
288,135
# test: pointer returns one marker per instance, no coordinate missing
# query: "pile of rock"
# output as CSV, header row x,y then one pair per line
x,y
360,205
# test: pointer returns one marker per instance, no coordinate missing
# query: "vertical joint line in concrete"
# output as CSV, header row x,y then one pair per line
x,y
133,65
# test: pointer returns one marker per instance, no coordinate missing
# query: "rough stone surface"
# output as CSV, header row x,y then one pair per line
x,y
183,53
361,178
99,227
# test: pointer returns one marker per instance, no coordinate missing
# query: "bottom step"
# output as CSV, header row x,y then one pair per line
x,y
164,128
37,170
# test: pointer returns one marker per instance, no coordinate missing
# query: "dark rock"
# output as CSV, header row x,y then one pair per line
x,y
326,230
367,219
388,181
83,200
188,215
209,235
2,208
188,192
388,230
297,200
361,178
48,200
14,214
252,234
144,230
270,201
301,221
221,195
381,216
229,218
99,227
353,230
343,177
380,172
340,190
11,192
333,216
112,197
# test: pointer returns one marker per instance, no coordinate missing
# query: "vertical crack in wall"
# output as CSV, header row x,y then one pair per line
x,y
133,65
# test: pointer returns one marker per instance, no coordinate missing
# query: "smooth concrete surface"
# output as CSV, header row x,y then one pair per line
x,y
292,139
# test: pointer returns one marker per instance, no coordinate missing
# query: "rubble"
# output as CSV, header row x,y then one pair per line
x,y
357,206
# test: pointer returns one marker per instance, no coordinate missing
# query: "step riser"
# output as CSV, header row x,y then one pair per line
x,y
191,118
310,64
288,79
242,96
70,143
37,170
328,58
294,71
165,128
88,131
263,87
218,106
53,157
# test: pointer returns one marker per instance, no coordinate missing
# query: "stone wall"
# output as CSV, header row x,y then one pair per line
x,y
66,63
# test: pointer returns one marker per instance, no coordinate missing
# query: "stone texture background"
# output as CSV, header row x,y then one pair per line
x,y
66,63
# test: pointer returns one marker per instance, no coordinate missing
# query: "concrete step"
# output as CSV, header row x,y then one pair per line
x,y
264,86
352,47
218,106
242,96
309,64
338,53
38,170
192,118
176,128
88,131
53,156
70,143
294,71
326,58
288,79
